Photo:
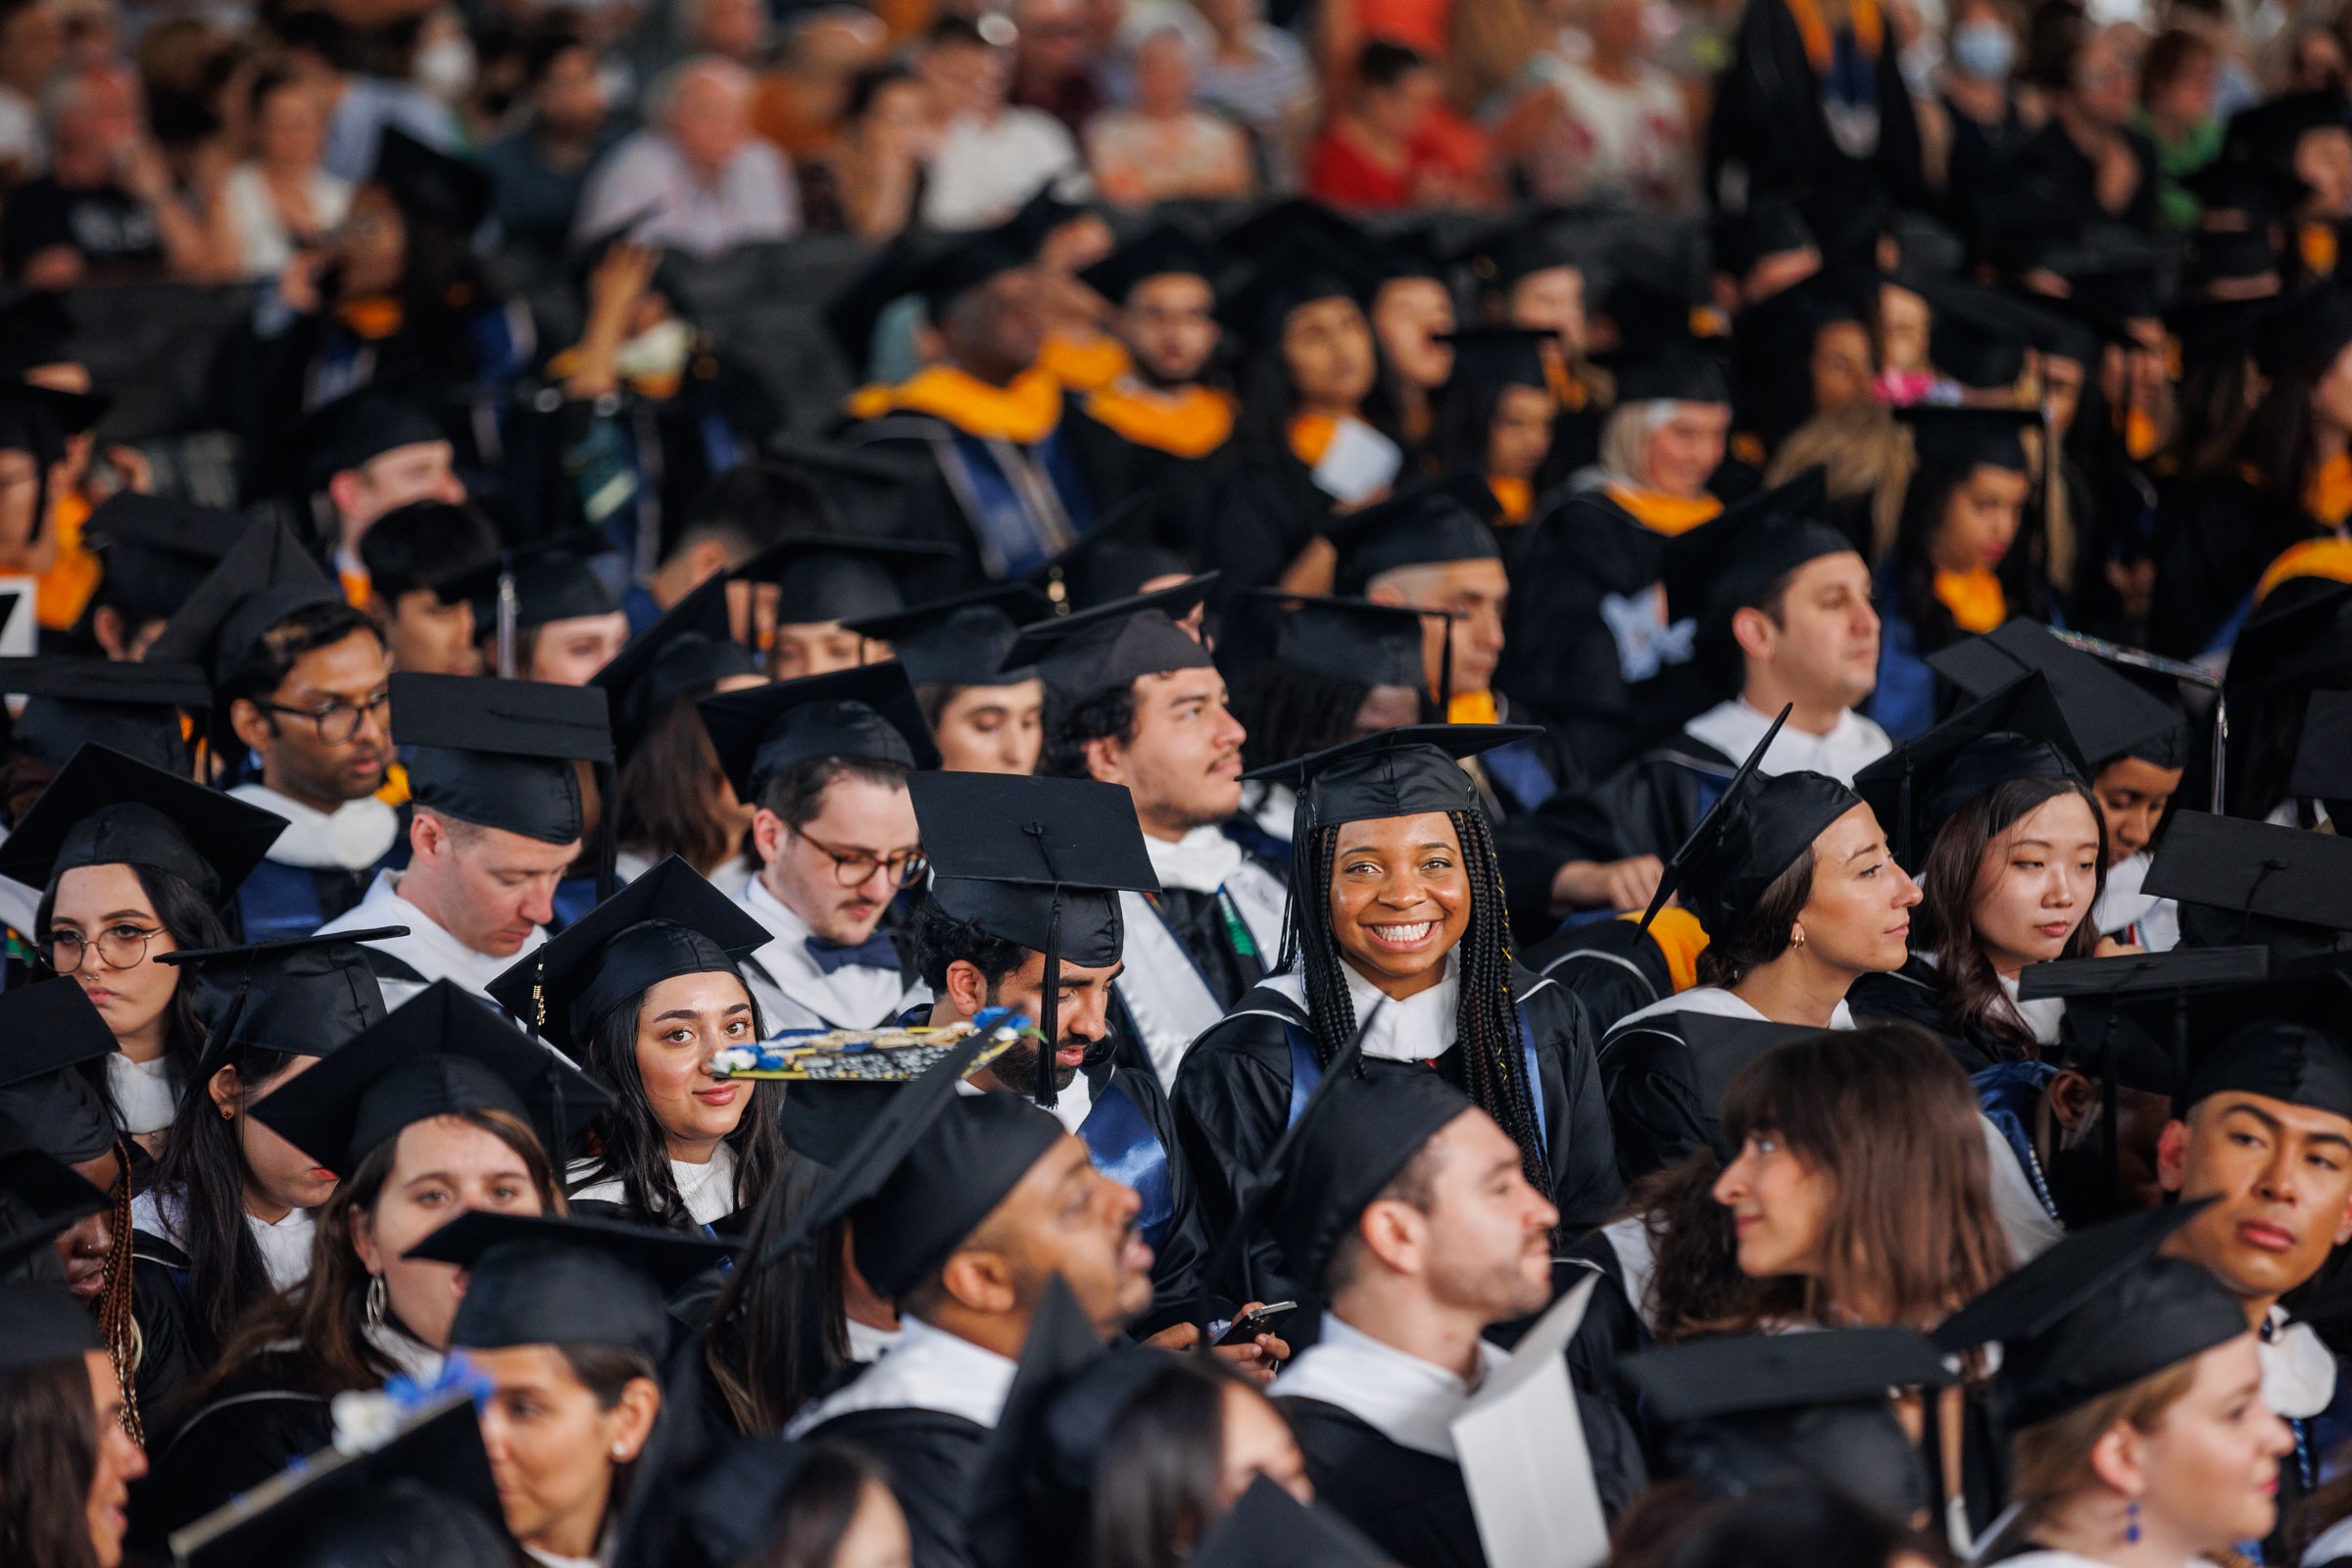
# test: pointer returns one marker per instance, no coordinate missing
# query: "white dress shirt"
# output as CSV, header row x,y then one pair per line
x,y
427,949
1420,1028
928,1369
1411,1402
1734,728
707,1188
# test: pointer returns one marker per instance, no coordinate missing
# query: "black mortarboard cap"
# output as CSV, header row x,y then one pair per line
x,y
552,580
38,420
105,808
425,1495
157,551
441,1054
302,996
1736,560
1160,251
36,331
1768,226
1115,644
542,1279
2097,1311
133,708
266,576
359,427
960,641
52,1034
2110,717
1111,560
42,1323
1350,639
2322,768
1498,356
1434,523
1679,369
2303,333
1969,437
822,577
1761,830
1517,249
853,310
957,265
40,1196
2266,132
1372,1123
1975,338
2285,888
972,1154
500,753
2281,1036
1406,772
691,649
2017,732
1295,258
668,922
1271,1529
429,184
869,711
1753,1410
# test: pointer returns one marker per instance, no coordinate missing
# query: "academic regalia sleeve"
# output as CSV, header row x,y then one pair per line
x,y
1612,966
172,1350
232,1445
1259,512
1910,994
1582,1151
1558,653
1648,806
1653,1102
1231,1102
1414,1507
932,1461
2213,542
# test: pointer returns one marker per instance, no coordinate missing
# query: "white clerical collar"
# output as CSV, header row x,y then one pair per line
x,y
1717,1002
773,912
1407,1401
549,1559
1419,1028
2042,1018
1198,863
2298,1371
352,838
708,1189
928,1369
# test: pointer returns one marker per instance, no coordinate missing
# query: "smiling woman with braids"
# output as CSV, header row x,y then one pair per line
x,y
1409,926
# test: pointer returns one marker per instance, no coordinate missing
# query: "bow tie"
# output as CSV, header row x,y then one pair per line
x,y
878,952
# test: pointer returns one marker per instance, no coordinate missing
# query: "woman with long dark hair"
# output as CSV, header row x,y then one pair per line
x,y
779,1332
65,1460
135,864
642,992
2015,854
1397,929
1962,559
441,1107
1497,414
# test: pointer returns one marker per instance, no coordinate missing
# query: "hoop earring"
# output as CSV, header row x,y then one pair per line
x,y
1798,940
373,1313
2132,1522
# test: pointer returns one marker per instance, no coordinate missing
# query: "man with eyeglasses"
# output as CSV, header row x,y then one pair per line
x,y
833,839
299,684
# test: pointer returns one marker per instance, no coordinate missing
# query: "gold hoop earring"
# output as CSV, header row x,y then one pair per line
x,y
1798,940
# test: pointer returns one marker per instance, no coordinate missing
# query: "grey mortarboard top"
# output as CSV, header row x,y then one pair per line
x,y
105,808
1734,562
41,1323
266,576
1970,438
2098,1312
1350,640
1037,862
2241,881
2015,732
960,641
50,1040
1406,772
301,996
500,753
1116,644
441,1054
542,1279
868,712
40,1196
1432,523
2110,717
133,708
155,549
827,577
690,648
1752,1411
425,1495
668,922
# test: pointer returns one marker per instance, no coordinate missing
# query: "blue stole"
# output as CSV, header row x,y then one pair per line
x,y
1020,539
1517,769
279,901
1306,1071
2005,1093
1126,1150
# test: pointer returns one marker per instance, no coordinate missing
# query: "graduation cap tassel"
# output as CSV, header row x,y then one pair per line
x,y
2179,1052
507,609
2221,749
608,846
1049,1008
1446,672
2109,1159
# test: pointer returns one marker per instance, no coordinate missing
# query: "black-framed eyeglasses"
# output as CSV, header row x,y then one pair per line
x,y
119,946
338,722
855,867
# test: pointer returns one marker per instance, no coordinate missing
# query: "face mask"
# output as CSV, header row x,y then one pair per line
x,y
445,67
656,352
1984,50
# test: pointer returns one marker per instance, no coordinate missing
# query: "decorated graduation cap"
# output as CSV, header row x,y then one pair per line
x,y
1113,645
105,809
40,1196
2323,768
2242,881
1434,524
1351,639
868,712
1111,560
1735,562
958,641
1970,438
302,996
668,922
2098,1312
1163,250
532,585
53,1034
157,551
1751,1411
1373,1120
1406,772
826,577
2110,717
2017,732
692,648
1271,1529
266,576
442,1053
500,753
41,1323
1499,356
423,1494
357,427
131,708
542,1279
429,184
1038,862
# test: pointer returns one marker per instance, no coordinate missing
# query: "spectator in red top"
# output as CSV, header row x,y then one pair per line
x,y
1370,157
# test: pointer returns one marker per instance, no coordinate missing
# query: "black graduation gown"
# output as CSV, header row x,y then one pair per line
x,y
1767,122
1652,1091
2063,180
1260,511
172,1349
1612,966
1910,994
249,1430
1648,806
932,1461
1414,1507
1117,470
1235,1092
1131,1134
2214,538
1611,1330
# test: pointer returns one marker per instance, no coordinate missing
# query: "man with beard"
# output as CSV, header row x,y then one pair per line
x,y
1026,897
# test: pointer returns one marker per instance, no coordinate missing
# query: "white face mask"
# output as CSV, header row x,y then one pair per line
x,y
657,350
445,67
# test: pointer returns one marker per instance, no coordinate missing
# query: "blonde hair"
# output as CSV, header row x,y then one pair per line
x,y
1866,453
2050,1460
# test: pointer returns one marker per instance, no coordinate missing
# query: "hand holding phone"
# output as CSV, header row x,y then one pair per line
x,y
1261,1319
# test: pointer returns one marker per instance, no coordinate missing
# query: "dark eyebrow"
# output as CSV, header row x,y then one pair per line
x,y
1874,847
690,1014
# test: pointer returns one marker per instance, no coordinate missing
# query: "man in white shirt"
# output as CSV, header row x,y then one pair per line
x,y
498,823
699,181
824,761
991,156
